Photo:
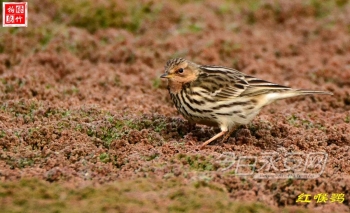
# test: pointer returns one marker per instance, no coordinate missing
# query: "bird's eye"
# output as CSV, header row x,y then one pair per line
x,y
180,70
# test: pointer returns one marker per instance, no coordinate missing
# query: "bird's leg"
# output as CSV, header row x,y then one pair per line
x,y
213,138
228,134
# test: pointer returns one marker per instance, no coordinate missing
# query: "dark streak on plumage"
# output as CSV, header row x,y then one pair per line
x,y
271,86
224,114
212,71
200,103
240,86
236,111
242,116
235,103
253,101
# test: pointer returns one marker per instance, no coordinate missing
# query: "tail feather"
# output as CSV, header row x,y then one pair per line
x,y
293,93
311,92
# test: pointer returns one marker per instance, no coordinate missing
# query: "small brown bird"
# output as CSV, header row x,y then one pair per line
x,y
220,96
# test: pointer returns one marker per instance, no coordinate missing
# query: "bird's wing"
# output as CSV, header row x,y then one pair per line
x,y
225,83
259,87
221,83
232,88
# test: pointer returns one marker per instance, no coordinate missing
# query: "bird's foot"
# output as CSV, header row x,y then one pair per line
x,y
227,135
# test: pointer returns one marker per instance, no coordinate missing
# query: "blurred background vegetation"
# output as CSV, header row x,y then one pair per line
x,y
49,20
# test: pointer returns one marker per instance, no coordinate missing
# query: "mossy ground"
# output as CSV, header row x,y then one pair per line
x,y
86,125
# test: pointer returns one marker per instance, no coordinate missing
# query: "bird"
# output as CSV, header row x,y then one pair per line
x,y
220,96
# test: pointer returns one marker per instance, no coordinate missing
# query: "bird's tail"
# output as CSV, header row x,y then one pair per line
x,y
311,92
293,93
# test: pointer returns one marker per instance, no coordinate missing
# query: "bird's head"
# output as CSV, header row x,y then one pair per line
x,y
180,71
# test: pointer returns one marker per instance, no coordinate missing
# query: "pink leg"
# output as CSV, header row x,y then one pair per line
x,y
213,138
228,135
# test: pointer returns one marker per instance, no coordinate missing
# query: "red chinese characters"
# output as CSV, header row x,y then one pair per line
x,y
15,14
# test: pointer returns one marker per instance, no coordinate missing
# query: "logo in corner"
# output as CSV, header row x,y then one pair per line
x,y
14,14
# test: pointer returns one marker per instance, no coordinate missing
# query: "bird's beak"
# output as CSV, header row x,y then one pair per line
x,y
165,75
